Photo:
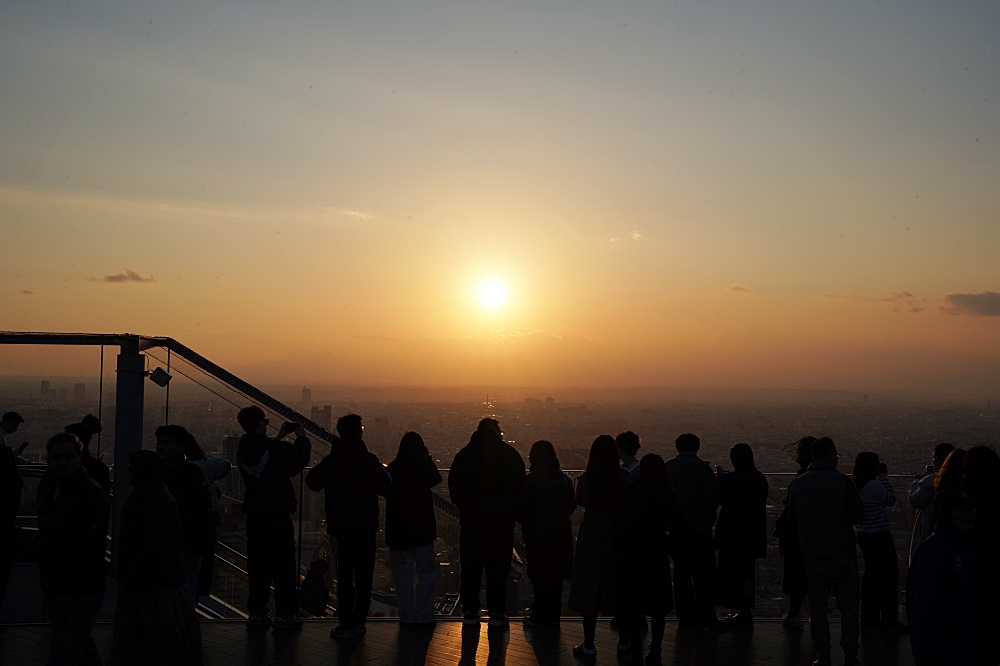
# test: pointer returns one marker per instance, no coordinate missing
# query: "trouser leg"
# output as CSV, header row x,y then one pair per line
x,y
346,593
364,571
259,565
71,642
819,595
471,560
547,601
6,557
703,574
286,568
890,580
589,629
499,548
684,591
425,558
401,561
870,584
843,575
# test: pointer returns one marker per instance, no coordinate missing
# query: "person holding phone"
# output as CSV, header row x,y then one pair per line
x,y
921,497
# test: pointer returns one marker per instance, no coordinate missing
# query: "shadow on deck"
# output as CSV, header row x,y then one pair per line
x,y
449,643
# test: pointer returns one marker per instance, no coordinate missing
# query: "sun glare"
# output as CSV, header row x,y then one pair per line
x,y
492,294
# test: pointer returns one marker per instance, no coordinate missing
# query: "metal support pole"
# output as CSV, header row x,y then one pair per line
x,y
128,429
302,507
100,402
166,406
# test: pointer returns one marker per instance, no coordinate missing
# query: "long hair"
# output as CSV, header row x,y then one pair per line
x,y
950,473
602,473
802,451
541,450
865,468
981,472
192,449
412,450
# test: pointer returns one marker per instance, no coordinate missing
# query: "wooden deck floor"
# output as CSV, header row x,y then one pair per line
x,y
449,644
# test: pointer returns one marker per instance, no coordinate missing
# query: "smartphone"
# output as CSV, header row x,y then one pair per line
x,y
883,468
291,426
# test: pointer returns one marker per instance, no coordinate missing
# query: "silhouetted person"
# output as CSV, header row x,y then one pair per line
x,y
10,497
921,497
186,482
544,507
155,622
352,478
9,424
794,580
85,431
941,590
628,444
951,471
411,529
879,595
741,535
697,488
215,469
314,595
266,466
651,511
981,479
824,506
484,481
73,513
600,491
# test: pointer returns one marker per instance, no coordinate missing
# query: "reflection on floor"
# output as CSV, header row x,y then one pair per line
x,y
449,643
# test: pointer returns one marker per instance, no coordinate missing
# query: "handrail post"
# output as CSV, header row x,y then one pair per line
x,y
128,430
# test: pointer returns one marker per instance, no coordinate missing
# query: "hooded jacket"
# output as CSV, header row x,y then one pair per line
x,y
409,508
267,466
823,507
484,479
352,478
72,535
696,487
545,503
742,526
150,549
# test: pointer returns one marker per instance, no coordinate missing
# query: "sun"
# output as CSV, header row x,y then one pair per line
x,y
492,294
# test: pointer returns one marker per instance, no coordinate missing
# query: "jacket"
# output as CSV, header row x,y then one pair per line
x,y
98,471
351,479
921,498
697,488
743,518
215,469
150,552
544,506
72,536
485,478
409,508
267,466
10,486
187,484
824,506
941,604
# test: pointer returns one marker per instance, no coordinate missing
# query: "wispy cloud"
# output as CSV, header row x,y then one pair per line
x,y
26,292
636,235
738,288
614,240
128,275
900,301
985,304
355,214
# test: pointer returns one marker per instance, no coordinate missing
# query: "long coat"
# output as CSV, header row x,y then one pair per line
x,y
594,566
545,504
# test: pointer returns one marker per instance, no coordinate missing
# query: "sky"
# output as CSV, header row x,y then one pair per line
x,y
665,194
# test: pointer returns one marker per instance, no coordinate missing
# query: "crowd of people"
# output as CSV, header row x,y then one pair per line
x,y
656,536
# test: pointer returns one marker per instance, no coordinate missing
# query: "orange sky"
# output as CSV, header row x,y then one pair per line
x,y
704,195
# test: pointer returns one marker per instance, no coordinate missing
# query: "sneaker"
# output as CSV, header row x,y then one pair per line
x,y
470,619
584,651
499,620
360,630
258,622
624,646
792,621
741,621
343,632
852,661
653,659
822,661
287,622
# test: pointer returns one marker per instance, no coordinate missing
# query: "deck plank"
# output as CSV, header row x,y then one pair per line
x,y
226,643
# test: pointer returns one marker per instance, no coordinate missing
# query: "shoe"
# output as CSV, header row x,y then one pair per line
x,y
343,632
653,659
499,620
741,621
792,621
624,647
470,619
359,630
258,622
585,651
822,661
896,629
286,622
852,661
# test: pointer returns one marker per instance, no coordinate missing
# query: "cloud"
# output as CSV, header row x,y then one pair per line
x,y
636,235
356,214
985,304
900,301
738,288
128,276
26,292
614,240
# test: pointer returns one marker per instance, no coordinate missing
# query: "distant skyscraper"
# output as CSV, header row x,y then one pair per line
x,y
323,416
45,388
64,394
307,395
80,392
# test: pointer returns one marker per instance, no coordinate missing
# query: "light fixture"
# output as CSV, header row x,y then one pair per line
x,y
160,377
